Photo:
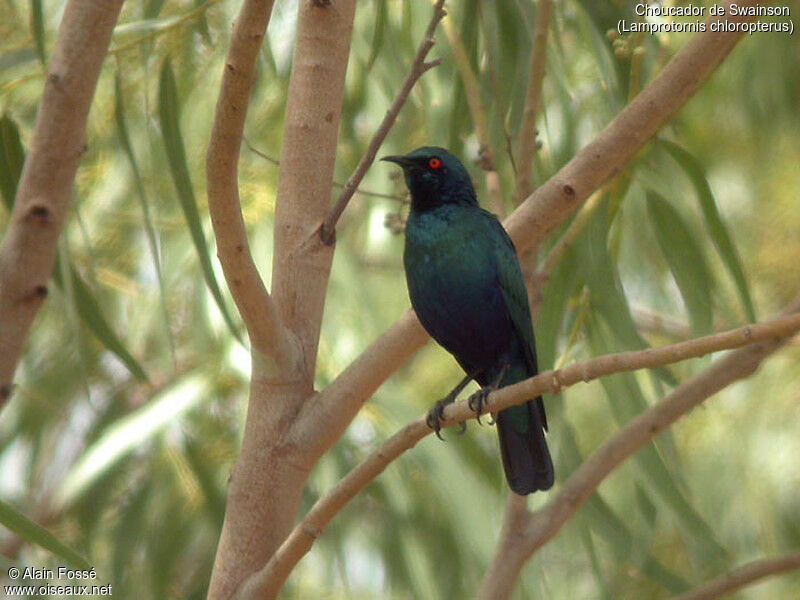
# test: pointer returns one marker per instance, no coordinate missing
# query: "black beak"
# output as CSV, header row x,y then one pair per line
x,y
399,160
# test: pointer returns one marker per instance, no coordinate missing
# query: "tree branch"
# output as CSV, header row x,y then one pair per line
x,y
545,209
267,480
301,261
745,575
28,251
270,579
267,334
418,68
613,147
503,572
523,186
570,235
336,184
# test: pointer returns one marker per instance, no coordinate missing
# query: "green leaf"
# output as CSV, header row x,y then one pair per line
x,y
128,433
169,116
714,223
128,531
201,26
614,529
37,29
378,30
685,260
12,157
588,543
605,523
147,26
92,315
17,58
32,532
122,132
605,290
556,293
204,474
626,401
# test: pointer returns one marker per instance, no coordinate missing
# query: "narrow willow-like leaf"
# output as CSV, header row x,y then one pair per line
x,y
168,112
126,434
201,26
591,551
605,291
17,58
627,400
34,533
714,224
131,521
122,132
378,30
685,260
153,8
146,26
12,156
556,293
605,523
203,473
37,29
612,527
88,309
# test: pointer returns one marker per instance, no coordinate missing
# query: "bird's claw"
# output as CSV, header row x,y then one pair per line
x,y
436,416
477,402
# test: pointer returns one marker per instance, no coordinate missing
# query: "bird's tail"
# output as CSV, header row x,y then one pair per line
x,y
526,459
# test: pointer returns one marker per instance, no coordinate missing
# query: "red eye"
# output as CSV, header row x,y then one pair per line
x,y
434,163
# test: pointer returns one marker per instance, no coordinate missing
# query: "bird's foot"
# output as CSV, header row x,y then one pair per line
x,y
436,416
477,402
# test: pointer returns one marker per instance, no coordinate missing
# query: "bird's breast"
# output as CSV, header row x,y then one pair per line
x,y
453,287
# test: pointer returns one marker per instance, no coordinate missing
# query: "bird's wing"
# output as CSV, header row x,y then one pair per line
x,y
512,286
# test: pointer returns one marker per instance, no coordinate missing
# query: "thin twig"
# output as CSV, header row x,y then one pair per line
x,y
743,576
267,333
472,91
336,184
503,572
418,68
268,581
570,235
533,97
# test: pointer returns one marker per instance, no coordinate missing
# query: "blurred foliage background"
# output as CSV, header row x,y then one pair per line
x,y
131,394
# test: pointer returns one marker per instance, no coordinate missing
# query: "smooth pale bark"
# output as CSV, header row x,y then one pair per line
x,y
266,333
267,481
28,251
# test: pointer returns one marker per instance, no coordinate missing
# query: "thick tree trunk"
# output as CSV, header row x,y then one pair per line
x,y
267,481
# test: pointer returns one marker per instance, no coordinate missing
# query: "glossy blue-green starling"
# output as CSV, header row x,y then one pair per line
x,y
466,286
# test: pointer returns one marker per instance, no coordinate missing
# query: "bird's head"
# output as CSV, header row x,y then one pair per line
x,y
435,177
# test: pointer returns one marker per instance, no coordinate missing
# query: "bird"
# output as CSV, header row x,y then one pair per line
x,y
466,287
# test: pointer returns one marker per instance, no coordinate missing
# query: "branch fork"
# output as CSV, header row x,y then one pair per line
x,y
419,67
